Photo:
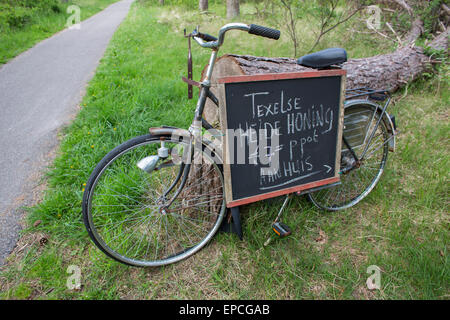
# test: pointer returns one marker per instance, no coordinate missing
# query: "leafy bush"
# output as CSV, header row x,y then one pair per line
x,y
4,12
188,4
430,16
14,17
19,17
18,13
45,5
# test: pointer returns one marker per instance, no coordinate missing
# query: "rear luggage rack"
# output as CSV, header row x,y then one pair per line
x,y
379,95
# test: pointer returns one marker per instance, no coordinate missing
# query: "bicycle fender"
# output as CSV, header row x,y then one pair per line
x,y
386,119
169,131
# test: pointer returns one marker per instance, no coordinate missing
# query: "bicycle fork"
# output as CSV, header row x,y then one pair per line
x,y
195,135
194,145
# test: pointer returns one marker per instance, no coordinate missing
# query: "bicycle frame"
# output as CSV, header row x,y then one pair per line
x,y
369,136
137,224
206,83
198,122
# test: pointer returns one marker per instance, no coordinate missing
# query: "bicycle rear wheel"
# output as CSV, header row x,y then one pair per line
x,y
124,207
358,178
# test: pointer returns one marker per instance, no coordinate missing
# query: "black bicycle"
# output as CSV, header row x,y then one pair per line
x,y
159,198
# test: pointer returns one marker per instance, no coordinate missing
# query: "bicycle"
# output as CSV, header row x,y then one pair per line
x,y
147,203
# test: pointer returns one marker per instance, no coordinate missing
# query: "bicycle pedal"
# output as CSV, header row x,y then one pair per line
x,y
282,230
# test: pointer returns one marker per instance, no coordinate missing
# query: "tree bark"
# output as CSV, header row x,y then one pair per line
x,y
415,32
232,9
203,5
387,71
441,41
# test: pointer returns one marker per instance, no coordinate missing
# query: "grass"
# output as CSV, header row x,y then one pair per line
x,y
401,227
14,41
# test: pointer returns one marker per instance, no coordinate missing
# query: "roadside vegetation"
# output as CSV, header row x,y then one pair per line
x,y
401,227
23,23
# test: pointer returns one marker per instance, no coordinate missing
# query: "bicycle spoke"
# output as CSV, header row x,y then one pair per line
x,y
360,122
127,212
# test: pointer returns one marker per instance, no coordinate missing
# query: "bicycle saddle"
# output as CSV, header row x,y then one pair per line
x,y
323,58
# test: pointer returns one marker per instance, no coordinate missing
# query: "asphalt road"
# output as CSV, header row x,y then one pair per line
x,y
39,93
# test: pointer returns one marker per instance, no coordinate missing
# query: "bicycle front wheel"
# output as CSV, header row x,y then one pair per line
x,y
358,177
125,207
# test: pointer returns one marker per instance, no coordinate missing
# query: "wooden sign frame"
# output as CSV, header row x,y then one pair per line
x,y
223,122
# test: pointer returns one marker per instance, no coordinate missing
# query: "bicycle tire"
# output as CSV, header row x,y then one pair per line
x,y
100,207
356,184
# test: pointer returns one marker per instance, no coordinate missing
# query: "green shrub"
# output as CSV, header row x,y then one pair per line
x,y
188,4
430,16
4,13
18,13
42,5
14,17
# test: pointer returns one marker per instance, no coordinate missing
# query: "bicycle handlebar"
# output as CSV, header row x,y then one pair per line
x,y
213,42
264,32
206,37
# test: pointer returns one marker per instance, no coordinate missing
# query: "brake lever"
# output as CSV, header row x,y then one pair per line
x,y
189,63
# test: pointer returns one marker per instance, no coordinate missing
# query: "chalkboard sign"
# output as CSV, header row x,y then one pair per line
x,y
281,133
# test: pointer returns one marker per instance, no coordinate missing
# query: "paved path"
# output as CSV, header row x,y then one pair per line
x,y
39,92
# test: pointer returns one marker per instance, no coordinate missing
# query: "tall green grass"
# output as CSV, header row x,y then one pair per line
x,y
21,27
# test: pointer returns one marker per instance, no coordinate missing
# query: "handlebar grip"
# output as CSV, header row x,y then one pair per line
x,y
205,36
264,31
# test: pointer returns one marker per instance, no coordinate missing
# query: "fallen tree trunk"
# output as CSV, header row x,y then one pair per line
x,y
441,41
388,71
